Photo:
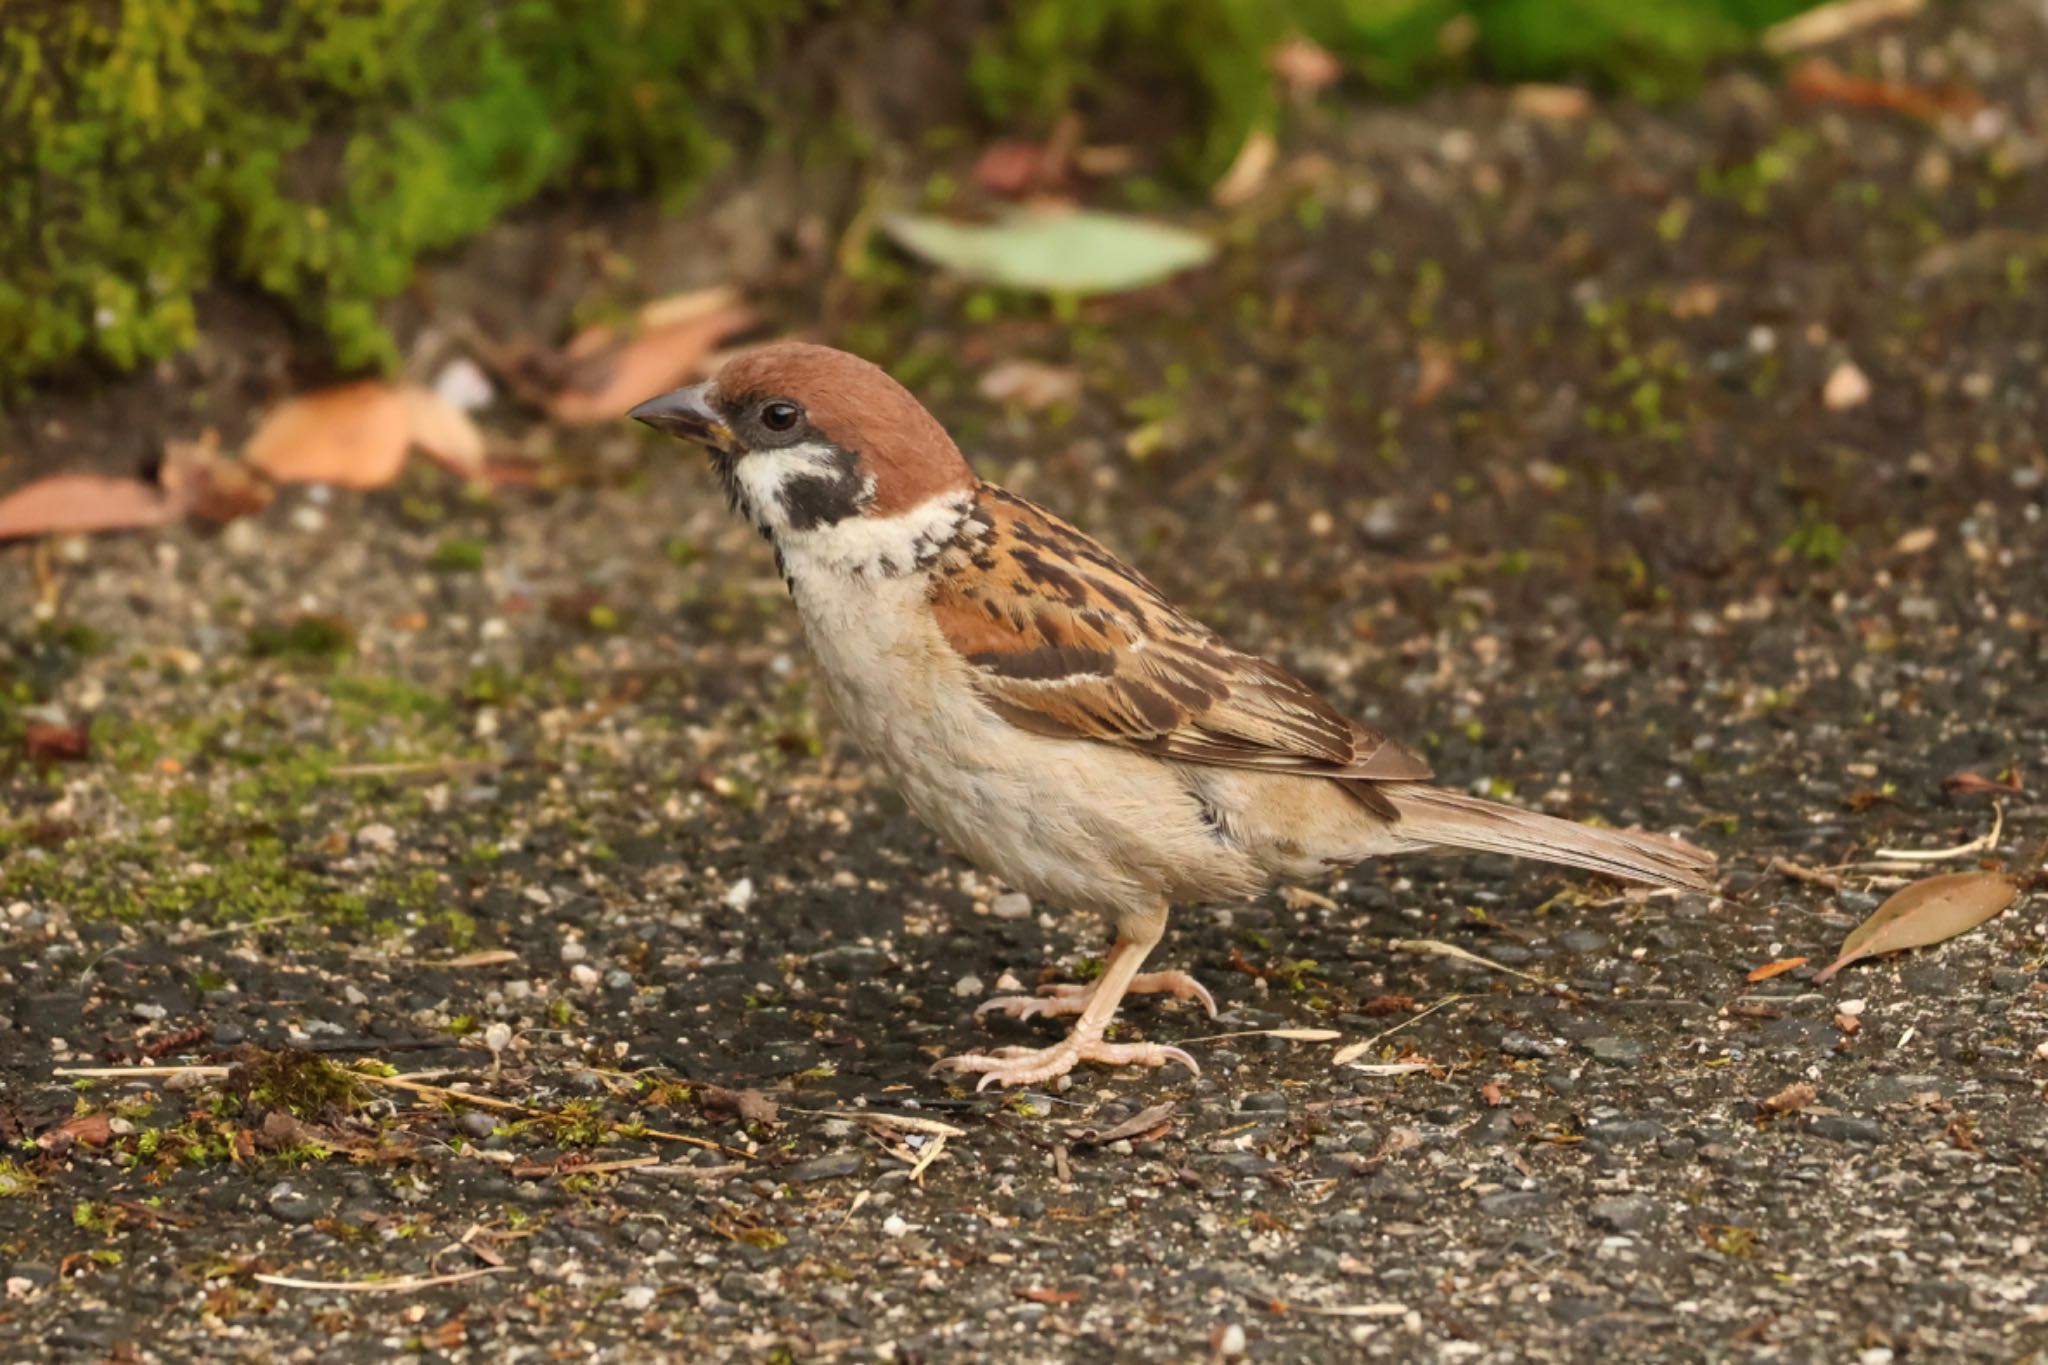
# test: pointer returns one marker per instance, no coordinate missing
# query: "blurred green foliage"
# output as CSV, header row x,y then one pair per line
x,y
316,148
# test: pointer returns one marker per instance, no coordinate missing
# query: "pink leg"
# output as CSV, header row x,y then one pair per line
x,y
1034,1066
1064,999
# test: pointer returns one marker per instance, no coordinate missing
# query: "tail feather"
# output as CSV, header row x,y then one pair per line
x,y
1439,817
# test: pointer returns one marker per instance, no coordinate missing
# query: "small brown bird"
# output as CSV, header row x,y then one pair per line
x,y
1046,709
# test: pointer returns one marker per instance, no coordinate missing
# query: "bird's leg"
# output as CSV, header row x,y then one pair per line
x,y
1065,998
1034,1066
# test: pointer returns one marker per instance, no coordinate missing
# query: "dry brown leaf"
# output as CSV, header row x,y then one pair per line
x,y
1967,783
1795,1096
1818,80
750,1105
488,957
1929,911
44,742
676,338
1030,384
448,435
1248,171
1435,368
1699,299
1146,1123
81,1130
1778,968
201,483
1303,67
351,436
66,504
1553,103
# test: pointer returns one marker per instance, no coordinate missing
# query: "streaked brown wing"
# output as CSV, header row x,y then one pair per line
x,y
1067,640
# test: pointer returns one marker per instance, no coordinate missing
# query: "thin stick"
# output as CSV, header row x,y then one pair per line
x,y
1345,1055
1800,873
1942,855
907,1122
1452,950
116,1073
407,1285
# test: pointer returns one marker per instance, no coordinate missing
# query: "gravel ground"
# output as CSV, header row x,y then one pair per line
x,y
1524,437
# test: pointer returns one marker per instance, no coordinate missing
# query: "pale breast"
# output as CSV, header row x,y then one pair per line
x,y
1073,822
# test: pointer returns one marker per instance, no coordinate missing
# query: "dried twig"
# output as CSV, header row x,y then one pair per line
x,y
1942,855
1437,948
1800,873
1346,1055
1820,26
404,1285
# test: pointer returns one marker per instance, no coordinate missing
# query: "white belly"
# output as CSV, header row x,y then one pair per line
x,y
1073,822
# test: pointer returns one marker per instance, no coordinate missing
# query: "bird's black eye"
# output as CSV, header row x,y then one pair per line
x,y
780,415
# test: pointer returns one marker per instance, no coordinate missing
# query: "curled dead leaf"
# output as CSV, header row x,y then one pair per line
x,y
610,373
202,483
351,436
1793,1097
70,504
749,1105
447,435
1778,968
1146,1123
1929,911
1968,783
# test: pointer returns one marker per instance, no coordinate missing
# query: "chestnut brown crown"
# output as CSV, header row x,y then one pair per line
x,y
795,392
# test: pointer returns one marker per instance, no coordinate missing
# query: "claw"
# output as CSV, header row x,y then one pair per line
x,y
1035,1066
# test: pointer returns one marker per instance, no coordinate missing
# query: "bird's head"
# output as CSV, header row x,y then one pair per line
x,y
810,440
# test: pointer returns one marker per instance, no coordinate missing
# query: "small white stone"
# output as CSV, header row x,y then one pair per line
x,y
574,951
1852,1008
1876,1355
498,1037
894,1226
1230,1341
352,995
1011,905
382,838
638,1297
584,975
968,986
740,894
1847,387
463,384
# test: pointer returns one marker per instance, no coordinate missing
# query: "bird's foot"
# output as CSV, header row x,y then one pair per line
x,y
1037,1065
1066,998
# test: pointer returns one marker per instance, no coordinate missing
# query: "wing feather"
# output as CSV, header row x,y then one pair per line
x,y
1066,640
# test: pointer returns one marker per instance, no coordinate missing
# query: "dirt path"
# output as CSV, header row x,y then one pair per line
x,y
1509,433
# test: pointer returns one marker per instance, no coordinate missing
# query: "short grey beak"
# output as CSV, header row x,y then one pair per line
x,y
685,413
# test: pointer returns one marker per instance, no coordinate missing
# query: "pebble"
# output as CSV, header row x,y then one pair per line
x,y
740,894
584,975
1614,1051
1527,1045
1264,1102
288,1205
969,986
377,837
1630,1213
1847,387
638,1298
1011,905
837,1166
1624,1133
893,1226
477,1124
1848,1128
1514,1203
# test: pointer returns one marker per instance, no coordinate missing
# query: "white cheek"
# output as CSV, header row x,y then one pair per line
x,y
764,474
874,545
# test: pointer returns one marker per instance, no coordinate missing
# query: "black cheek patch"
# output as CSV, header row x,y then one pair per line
x,y
810,501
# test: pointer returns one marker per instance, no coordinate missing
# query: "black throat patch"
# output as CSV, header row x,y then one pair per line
x,y
825,498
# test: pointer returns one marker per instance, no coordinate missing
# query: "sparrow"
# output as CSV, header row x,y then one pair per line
x,y
1048,711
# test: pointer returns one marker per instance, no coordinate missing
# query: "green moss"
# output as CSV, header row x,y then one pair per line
x,y
316,639
315,149
299,1083
459,555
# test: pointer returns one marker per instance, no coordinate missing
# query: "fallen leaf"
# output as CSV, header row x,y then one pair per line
x,y
1967,783
448,435
1017,168
1302,66
1248,171
1830,22
489,957
44,742
1382,1005
1930,911
200,482
1552,103
1699,299
68,504
1917,541
81,1130
1491,1093
1849,1024
1051,1296
1847,387
677,336
1818,80
1778,968
353,436
1030,384
1435,368
750,1105
1146,1123
1083,251
1795,1096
